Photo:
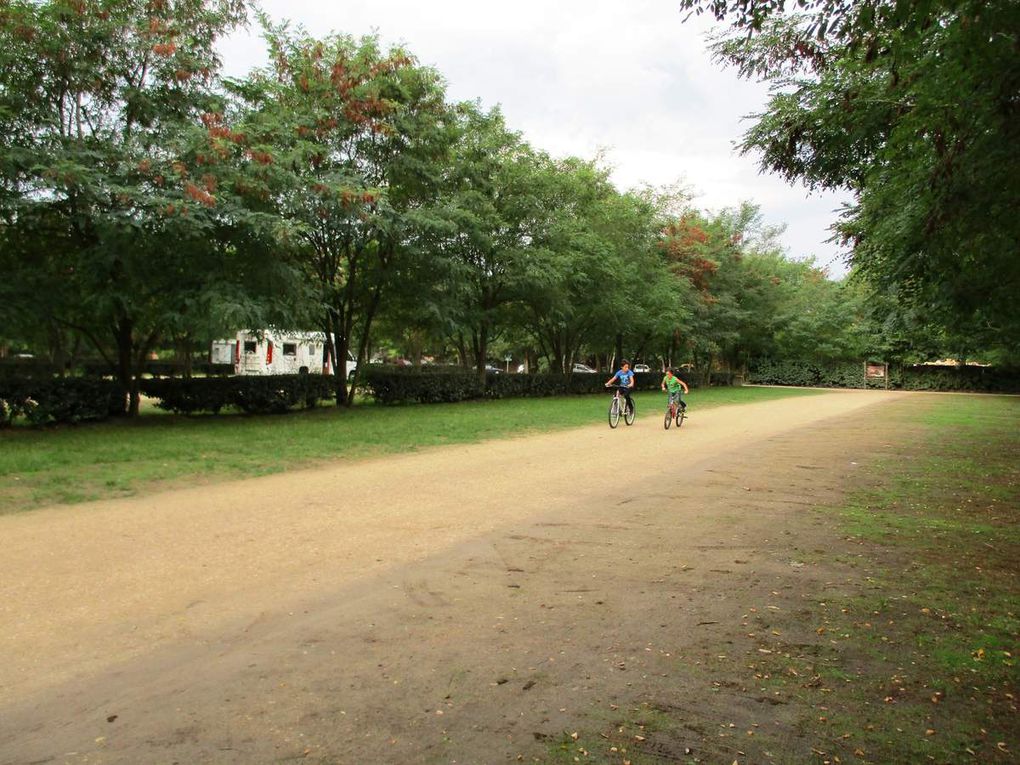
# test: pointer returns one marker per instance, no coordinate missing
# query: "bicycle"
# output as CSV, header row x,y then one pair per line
x,y
674,412
619,405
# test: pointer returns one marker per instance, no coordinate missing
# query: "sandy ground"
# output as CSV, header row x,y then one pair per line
x,y
465,604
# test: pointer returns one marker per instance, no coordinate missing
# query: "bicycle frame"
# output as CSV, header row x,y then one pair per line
x,y
620,406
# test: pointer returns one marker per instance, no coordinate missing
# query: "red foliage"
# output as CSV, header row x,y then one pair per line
x,y
200,195
165,49
683,242
262,157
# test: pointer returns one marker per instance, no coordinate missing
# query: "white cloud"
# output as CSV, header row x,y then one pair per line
x,y
576,76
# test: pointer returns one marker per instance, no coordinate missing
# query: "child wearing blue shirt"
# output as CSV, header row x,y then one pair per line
x,y
626,382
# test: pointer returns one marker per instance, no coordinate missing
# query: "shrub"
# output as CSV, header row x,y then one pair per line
x,y
969,379
394,385
55,400
270,394
850,374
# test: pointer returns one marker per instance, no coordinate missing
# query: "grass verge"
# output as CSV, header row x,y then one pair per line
x,y
112,459
927,671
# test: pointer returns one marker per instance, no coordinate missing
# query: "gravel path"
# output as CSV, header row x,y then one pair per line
x,y
253,621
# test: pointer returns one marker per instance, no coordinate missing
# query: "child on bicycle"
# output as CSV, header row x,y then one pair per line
x,y
673,385
626,381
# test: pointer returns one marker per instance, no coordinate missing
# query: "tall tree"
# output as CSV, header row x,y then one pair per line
x,y
345,143
104,227
492,208
912,106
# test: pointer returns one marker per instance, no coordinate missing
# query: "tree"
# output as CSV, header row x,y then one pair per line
x,y
594,275
912,107
105,230
343,144
491,206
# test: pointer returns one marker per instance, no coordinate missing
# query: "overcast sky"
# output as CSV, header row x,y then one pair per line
x,y
624,76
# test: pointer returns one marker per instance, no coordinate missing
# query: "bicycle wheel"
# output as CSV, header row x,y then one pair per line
x,y
669,418
614,412
628,415
680,415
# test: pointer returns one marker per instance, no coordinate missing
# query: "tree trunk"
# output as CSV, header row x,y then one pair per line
x,y
619,348
366,333
124,338
481,348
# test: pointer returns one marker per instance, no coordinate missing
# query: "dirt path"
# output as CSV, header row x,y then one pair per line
x,y
457,605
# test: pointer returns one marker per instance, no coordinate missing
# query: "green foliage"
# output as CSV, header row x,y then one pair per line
x,y
901,377
55,400
969,379
401,385
113,226
268,394
341,144
912,107
833,375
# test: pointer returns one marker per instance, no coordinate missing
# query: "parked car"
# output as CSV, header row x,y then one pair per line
x,y
583,369
491,370
642,368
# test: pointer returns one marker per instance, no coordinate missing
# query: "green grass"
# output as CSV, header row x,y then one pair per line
x,y
78,464
934,641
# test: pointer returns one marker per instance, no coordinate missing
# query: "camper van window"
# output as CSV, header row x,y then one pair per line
x,y
250,346
290,349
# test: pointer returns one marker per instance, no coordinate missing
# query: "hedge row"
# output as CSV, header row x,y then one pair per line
x,y
967,379
56,400
75,399
398,385
840,375
17,368
270,394
919,377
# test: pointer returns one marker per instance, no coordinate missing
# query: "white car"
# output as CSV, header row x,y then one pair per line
x,y
642,368
582,369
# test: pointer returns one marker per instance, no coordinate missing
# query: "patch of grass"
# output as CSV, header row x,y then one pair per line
x,y
115,459
930,649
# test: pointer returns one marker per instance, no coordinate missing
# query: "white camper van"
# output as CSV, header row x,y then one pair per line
x,y
276,352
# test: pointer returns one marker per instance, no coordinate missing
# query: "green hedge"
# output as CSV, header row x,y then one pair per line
x,y
431,385
99,368
838,375
56,400
270,394
920,377
967,379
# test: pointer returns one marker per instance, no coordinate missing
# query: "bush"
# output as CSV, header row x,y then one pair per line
x,y
838,375
270,394
396,385
56,400
850,374
968,379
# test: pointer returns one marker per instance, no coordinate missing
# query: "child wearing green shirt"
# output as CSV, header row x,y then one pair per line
x,y
673,385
